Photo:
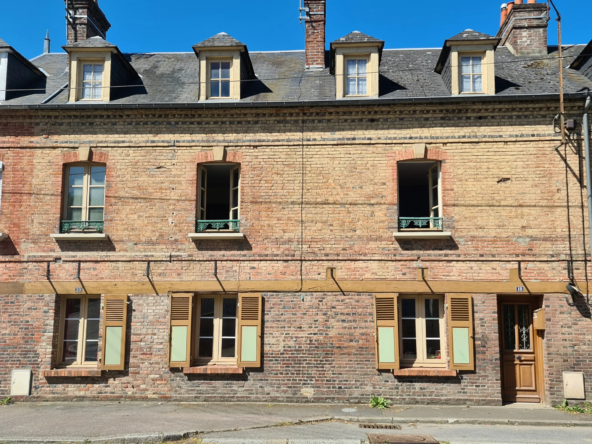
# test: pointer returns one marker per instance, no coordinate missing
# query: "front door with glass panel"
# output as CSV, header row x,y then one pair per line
x,y
216,330
518,350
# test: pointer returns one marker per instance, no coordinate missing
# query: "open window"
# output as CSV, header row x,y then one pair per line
x,y
84,199
219,198
420,197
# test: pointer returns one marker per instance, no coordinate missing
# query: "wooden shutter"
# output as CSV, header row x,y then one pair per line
x,y
387,332
460,332
114,332
203,193
249,330
181,316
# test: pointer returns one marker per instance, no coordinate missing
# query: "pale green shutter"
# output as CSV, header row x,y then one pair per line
x,y
249,330
114,332
460,332
387,332
181,317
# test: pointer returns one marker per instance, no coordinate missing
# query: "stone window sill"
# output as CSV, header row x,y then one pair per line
x,y
425,372
213,370
404,235
216,235
80,236
71,373
3,236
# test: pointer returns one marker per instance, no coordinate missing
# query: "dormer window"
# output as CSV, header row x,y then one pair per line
x,y
220,79
357,77
92,81
471,74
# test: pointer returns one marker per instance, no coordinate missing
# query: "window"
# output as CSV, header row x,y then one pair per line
x,y
422,331
219,197
79,340
220,80
471,75
92,81
420,201
356,81
85,199
216,330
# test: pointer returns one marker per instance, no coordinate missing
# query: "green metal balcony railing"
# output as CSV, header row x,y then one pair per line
x,y
434,223
204,225
68,226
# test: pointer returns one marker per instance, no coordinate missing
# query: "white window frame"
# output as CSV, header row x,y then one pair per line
x,y
202,188
82,329
420,332
220,79
216,358
432,206
472,74
86,187
357,76
92,82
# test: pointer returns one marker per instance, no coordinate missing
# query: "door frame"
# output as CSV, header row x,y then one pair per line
x,y
538,336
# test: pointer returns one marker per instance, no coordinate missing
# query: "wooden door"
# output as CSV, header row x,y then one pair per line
x,y
519,358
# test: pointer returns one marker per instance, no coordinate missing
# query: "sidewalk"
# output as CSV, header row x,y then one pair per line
x,y
135,422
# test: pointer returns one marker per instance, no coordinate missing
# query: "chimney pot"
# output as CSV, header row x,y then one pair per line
x,y
518,2
47,44
504,13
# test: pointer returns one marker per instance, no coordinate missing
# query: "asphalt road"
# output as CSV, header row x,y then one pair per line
x,y
454,434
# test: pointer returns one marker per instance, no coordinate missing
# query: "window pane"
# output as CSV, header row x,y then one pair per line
x,y
72,309
476,65
76,176
408,308
71,329
432,328
228,348
97,91
234,214
509,327
236,177
235,197
436,213
361,67
465,65
97,197
98,72
215,89
466,84
229,308
351,87
75,197
207,307
206,327
95,214
362,86
205,348
215,70
225,70
92,330
94,308
435,197
477,84
70,351
229,327
351,67
74,214
97,175
432,308
434,177
408,328
524,327
409,349
433,349
225,89
87,72
92,348
86,91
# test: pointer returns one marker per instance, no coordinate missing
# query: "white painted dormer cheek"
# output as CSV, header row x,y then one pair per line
x,y
3,75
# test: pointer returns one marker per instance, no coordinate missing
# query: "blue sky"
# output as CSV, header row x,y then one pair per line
x,y
267,25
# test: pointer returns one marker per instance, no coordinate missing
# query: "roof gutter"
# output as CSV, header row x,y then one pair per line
x,y
293,104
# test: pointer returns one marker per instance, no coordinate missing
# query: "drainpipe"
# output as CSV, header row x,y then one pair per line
x,y
588,175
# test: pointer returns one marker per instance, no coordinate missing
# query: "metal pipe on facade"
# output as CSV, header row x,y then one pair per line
x,y
586,124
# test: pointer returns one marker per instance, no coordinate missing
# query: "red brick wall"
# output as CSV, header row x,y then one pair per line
x,y
525,30
315,33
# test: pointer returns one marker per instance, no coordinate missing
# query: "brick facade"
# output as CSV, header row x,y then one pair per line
x,y
86,20
319,189
524,31
315,33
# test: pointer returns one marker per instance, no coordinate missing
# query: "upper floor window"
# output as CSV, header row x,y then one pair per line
x,y
356,80
220,79
219,197
92,81
79,341
85,198
420,200
471,74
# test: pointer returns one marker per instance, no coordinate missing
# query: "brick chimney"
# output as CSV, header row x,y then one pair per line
x,y
315,33
85,20
524,28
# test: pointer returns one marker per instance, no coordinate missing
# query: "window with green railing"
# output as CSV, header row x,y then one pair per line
x,y
85,198
218,197
420,201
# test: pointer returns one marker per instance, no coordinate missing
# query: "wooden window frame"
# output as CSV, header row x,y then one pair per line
x,y
86,187
346,75
79,363
81,82
211,60
203,189
472,55
216,359
420,333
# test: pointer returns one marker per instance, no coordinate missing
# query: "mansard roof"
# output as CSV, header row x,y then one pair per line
x,y
357,37
219,40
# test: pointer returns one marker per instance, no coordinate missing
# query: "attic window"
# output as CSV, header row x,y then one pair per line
x,y
220,79
92,81
471,74
356,82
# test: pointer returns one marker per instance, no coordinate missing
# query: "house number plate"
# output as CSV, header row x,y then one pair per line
x,y
78,290
520,289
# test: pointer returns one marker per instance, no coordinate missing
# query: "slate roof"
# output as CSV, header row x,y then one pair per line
x,y
281,77
220,39
357,37
92,42
3,44
469,34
